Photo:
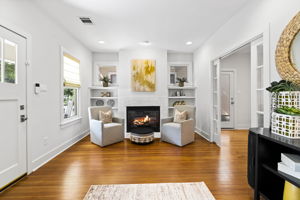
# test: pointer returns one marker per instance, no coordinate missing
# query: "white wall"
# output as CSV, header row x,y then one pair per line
x,y
180,57
106,56
129,98
251,21
46,37
241,63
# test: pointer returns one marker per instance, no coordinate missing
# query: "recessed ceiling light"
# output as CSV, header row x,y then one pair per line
x,y
189,43
101,42
145,43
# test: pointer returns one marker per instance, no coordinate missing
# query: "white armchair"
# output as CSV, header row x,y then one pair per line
x,y
182,133
104,134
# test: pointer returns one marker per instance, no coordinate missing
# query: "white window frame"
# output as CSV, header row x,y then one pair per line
x,y
3,61
77,118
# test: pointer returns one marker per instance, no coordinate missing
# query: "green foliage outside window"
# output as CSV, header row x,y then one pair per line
x,y
68,95
10,73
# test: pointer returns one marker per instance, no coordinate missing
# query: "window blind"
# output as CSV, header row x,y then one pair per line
x,y
71,71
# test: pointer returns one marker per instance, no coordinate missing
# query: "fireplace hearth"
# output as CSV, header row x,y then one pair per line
x,y
140,118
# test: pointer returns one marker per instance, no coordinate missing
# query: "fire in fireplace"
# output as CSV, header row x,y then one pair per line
x,y
143,117
142,121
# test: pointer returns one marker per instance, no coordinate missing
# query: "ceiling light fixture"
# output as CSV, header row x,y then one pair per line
x,y
145,43
101,42
189,43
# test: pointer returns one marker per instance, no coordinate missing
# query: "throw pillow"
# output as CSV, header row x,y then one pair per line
x,y
105,117
179,116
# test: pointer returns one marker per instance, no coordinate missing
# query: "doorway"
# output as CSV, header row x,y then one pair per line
x,y
13,106
227,90
239,98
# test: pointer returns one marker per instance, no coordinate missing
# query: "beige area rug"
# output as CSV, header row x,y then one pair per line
x,y
160,191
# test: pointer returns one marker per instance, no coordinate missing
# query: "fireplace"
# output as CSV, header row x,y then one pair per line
x,y
139,117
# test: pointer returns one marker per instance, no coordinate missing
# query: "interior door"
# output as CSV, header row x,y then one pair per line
x,y
216,115
12,106
259,76
227,99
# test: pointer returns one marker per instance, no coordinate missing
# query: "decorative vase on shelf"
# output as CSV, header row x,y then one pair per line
x,y
181,81
105,80
105,84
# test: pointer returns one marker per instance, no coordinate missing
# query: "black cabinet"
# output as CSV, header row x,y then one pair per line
x,y
264,152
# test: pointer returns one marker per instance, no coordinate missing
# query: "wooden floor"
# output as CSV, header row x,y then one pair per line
x,y
69,175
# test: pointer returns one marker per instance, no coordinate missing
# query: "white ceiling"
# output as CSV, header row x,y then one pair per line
x,y
167,24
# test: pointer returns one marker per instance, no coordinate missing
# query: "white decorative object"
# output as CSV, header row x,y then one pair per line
x,y
291,160
289,99
286,125
142,138
285,169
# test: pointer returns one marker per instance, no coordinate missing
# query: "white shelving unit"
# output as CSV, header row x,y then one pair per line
x,y
97,98
186,95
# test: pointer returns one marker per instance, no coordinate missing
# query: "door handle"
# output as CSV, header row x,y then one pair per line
x,y
23,118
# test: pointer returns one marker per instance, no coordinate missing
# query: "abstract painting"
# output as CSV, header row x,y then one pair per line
x,y
143,75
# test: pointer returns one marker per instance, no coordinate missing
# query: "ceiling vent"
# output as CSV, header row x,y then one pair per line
x,y
86,20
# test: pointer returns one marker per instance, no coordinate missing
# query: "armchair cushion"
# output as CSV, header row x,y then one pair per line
x,y
172,126
105,117
111,125
180,116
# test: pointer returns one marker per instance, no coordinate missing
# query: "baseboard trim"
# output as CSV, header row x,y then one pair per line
x,y
203,134
43,159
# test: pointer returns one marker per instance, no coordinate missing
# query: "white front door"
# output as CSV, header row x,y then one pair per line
x,y
227,99
12,106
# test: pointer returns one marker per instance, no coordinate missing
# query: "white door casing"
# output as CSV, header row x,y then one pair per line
x,y
13,154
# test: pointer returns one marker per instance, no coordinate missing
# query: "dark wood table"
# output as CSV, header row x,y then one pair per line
x,y
264,152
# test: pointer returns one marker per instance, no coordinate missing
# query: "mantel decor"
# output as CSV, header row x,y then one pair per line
x,y
286,64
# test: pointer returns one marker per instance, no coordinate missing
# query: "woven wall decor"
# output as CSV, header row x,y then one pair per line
x,y
285,67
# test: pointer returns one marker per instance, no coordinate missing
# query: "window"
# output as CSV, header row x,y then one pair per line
x,y
71,86
8,63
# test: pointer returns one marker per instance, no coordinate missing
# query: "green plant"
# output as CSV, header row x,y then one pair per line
x,y
288,110
181,80
283,85
68,95
9,72
105,79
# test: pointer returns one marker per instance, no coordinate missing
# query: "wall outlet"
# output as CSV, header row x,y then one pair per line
x,y
46,142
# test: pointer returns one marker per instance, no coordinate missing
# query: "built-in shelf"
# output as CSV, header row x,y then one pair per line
x,y
186,96
104,94
181,97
